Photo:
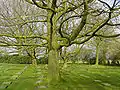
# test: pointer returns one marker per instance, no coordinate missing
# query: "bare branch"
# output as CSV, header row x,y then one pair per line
x,y
23,37
105,3
82,23
23,23
111,24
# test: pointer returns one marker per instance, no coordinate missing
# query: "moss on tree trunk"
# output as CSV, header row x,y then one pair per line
x,y
53,66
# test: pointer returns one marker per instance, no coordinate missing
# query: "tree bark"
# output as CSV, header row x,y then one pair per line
x,y
97,55
53,66
104,57
53,61
34,61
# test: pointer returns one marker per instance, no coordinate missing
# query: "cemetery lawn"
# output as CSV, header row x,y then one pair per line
x,y
74,77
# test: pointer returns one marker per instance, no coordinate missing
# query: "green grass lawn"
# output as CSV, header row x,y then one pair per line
x,y
89,77
21,77
75,77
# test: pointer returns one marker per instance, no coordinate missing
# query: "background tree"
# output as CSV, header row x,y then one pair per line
x,y
19,27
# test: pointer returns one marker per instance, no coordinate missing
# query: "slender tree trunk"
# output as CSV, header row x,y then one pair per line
x,y
97,55
31,54
104,58
65,59
34,61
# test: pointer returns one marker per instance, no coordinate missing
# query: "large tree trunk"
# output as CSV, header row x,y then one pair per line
x,y
53,66
53,61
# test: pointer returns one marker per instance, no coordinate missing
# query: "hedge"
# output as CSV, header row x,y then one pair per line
x,y
21,59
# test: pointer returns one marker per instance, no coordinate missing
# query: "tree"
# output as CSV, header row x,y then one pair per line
x,y
58,36
113,52
53,46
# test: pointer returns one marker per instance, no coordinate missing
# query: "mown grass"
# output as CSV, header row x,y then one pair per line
x,y
21,76
89,77
74,77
